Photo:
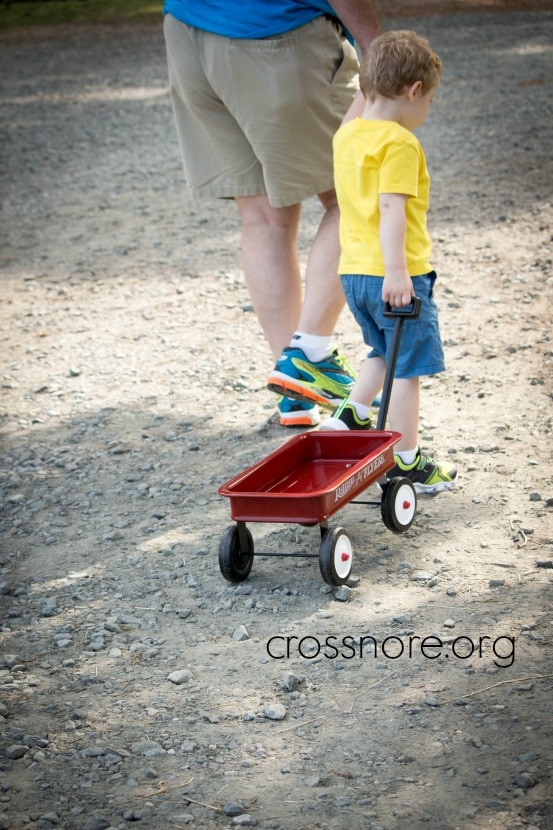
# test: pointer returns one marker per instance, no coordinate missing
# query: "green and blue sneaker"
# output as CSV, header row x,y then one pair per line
x,y
346,417
327,382
293,413
426,474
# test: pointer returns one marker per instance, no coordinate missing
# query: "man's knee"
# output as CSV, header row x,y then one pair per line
x,y
258,210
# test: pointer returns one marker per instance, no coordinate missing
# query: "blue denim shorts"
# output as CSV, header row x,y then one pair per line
x,y
421,351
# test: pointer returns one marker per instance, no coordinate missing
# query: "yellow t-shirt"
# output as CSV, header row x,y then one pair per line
x,y
370,158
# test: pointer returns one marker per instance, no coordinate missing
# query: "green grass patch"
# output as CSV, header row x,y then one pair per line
x,y
58,12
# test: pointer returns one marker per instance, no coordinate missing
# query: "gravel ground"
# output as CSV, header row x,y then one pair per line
x,y
137,685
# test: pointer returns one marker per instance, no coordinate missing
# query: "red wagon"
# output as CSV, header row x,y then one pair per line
x,y
311,477
305,482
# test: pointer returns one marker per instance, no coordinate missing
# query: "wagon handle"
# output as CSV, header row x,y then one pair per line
x,y
408,312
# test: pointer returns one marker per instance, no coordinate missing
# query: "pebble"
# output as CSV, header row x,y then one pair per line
x,y
344,593
525,780
180,676
275,711
421,576
241,633
96,823
15,751
233,808
290,682
245,820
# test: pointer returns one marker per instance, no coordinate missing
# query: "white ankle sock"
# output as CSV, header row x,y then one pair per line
x,y
363,411
315,347
408,456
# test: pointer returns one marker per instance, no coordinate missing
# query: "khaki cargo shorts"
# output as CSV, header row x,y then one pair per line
x,y
257,117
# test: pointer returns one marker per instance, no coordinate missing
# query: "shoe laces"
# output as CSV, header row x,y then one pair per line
x,y
341,361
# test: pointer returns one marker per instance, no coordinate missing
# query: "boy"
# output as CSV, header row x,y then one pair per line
x,y
383,187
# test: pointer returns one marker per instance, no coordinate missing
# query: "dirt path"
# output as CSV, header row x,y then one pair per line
x,y
136,684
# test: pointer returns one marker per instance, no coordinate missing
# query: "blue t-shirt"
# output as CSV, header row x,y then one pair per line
x,y
247,19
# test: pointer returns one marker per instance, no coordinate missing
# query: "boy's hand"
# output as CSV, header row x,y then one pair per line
x,y
397,289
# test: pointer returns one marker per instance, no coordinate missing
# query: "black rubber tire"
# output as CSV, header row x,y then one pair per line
x,y
399,504
335,556
235,564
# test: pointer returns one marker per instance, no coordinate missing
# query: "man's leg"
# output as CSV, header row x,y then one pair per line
x,y
311,369
324,298
271,268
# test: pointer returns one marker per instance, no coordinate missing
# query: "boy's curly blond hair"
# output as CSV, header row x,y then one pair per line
x,y
395,61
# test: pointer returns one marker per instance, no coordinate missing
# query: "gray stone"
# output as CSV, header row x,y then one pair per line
x,y
343,593
421,576
15,751
526,780
233,808
180,676
276,711
96,823
290,682
241,633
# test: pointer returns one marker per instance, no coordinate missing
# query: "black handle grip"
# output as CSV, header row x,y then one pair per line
x,y
411,311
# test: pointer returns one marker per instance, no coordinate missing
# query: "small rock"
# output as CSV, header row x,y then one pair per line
x,y
149,749
343,593
245,820
96,823
241,633
525,781
421,576
528,758
275,712
290,682
48,820
233,808
180,676
16,751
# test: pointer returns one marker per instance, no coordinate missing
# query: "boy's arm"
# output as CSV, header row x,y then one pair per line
x,y
398,287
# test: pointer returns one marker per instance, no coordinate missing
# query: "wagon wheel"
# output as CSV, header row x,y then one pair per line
x,y
399,504
335,556
235,561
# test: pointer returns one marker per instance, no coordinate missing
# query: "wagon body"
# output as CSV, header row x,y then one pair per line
x,y
311,476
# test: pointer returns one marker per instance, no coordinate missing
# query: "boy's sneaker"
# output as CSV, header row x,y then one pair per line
x,y
327,382
298,413
346,417
426,474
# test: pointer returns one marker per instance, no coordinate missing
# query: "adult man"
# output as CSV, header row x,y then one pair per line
x,y
258,90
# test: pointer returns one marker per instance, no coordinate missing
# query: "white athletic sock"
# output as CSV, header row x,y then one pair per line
x,y
315,347
363,411
408,456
